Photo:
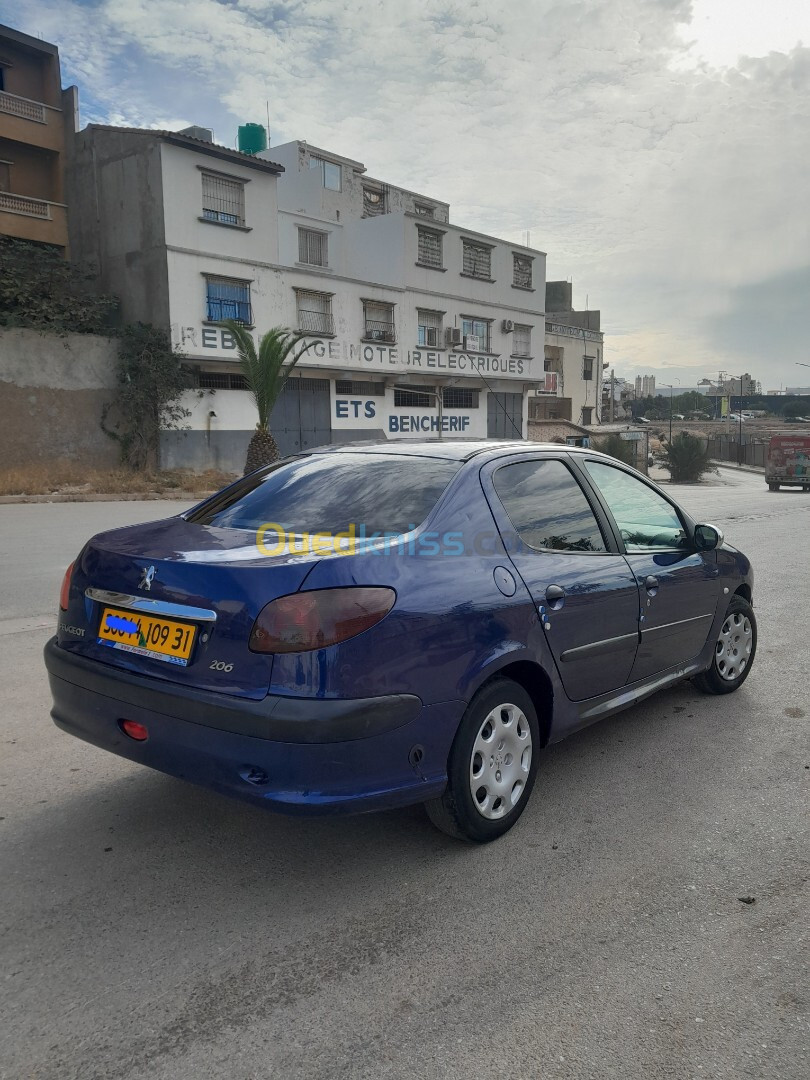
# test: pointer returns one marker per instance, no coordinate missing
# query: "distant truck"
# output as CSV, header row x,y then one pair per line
x,y
788,462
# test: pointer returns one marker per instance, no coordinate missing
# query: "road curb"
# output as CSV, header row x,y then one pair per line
x,y
144,496
755,470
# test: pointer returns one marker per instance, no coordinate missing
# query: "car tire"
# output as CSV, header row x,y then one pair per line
x,y
734,651
773,487
492,765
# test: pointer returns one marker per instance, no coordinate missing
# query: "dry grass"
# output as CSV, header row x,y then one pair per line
x,y
66,478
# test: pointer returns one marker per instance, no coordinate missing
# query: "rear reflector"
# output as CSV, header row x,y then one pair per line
x,y
134,730
310,620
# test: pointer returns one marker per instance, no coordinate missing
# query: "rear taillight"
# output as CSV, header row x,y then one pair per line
x,y
64,592
312,620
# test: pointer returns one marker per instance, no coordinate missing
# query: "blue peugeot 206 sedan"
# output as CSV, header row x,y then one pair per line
x,y
366,626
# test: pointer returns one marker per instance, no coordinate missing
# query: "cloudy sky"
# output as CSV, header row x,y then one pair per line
x,y
658,150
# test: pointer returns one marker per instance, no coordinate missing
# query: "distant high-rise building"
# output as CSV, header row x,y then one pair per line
x,y
645,386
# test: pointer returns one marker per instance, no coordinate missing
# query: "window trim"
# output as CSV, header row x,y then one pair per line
x,y
579,460
208,277
603,521
324,234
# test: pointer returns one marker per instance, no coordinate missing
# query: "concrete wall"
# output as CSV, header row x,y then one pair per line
x,y
115,194
52,390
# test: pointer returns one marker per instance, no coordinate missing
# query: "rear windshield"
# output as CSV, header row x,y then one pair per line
x,y
391,493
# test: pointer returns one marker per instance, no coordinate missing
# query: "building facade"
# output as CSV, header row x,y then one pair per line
x,y
37,120
413,325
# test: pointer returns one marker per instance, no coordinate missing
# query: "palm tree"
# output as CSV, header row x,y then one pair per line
x,y
266,372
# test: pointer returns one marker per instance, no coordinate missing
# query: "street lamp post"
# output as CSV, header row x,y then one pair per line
x,y
740,453
671,388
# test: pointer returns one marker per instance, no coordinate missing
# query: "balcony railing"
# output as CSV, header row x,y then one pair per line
x,y
238,310
24,107
21,204
380,331
315,322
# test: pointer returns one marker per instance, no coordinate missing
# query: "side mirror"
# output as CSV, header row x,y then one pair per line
x,y
707,537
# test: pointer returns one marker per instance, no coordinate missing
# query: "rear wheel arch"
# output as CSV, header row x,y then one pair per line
x,y
535,681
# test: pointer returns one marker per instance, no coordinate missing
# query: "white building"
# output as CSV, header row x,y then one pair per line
x,y
416,326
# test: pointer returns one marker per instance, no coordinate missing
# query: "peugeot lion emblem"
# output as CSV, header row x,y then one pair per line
x,y
147,577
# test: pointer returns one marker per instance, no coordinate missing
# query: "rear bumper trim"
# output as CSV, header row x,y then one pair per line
x,y
150,607
275,717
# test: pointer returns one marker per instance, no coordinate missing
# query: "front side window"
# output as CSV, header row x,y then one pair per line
x,y
429,248
547,507
378,319
476,260
315,312
330,172
313,247
223,199
478,330
521,271
228,298
429,328
330,493
521,340
645,520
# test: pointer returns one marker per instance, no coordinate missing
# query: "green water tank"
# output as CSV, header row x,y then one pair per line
x,y
252,138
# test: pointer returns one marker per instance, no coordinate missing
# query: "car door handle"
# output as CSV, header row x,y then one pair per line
x,y
555,595
651,584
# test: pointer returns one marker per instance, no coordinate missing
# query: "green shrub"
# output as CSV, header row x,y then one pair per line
x,y
686,458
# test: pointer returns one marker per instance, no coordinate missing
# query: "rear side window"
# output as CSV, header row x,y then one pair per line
x,y
327,493
548,507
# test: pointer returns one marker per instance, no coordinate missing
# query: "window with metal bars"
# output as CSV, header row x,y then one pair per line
x,y
361,389
478,328
476,260
459,397
429,247
521,340
227,298
521,271
415,397
429,328
223,199
315,313
221,380
313,247
379,321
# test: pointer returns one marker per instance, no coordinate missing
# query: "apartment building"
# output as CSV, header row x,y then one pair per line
x,y
416,326
37,120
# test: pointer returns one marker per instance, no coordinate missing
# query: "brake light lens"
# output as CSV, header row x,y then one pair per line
x,y
64,592
304,621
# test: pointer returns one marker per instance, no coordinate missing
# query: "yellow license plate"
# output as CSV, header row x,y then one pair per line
x,y
132,631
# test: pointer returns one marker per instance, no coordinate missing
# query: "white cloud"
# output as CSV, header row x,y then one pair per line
x,y
661,182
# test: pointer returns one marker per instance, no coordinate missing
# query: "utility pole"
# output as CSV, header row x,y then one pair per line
x,y
612,392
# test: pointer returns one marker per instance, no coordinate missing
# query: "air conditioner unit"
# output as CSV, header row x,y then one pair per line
x,y
507,326
452,335
431,337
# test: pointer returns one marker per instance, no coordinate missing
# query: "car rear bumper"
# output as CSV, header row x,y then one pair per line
x,y
293,754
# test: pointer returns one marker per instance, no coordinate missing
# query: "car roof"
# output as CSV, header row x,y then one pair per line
x,y
448,449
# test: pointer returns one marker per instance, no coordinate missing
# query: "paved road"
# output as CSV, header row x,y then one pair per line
x,y
152,930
